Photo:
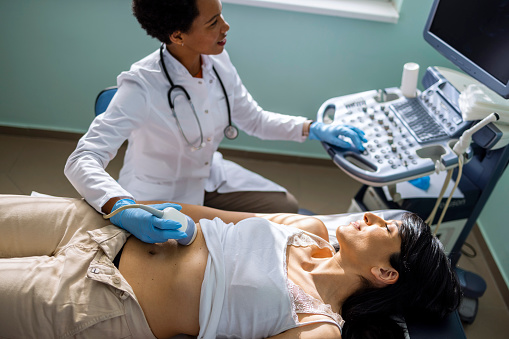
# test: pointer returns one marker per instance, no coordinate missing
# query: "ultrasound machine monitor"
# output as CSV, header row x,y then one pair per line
x,y
474,35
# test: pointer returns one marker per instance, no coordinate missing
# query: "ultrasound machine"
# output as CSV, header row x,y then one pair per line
x,y
413,134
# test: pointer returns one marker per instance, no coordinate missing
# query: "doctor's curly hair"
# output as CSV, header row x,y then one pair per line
x,y
160,18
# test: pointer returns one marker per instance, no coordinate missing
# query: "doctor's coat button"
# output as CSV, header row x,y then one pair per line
x,y
206,111
200,82
209,139
206,164
116,280
211,81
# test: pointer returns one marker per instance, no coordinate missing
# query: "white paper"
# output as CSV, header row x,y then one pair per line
x,y
409,191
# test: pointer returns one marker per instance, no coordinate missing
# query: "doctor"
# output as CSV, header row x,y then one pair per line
x,y
174,107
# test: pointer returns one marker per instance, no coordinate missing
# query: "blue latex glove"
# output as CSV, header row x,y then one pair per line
x,y
145,226
331,135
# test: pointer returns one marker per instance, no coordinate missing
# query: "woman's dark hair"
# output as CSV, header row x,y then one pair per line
x,y
427,286
160,18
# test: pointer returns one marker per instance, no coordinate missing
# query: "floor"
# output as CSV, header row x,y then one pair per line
x,y
36,164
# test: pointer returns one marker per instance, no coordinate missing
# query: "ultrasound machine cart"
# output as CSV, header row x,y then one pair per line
x,y
410,137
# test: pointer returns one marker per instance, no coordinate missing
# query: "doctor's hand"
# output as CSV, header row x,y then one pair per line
x,y
145,226
331,134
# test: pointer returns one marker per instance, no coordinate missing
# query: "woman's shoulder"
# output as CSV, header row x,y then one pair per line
x,y
141,69
149,62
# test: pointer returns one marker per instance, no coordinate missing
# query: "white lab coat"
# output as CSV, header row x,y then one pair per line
x,y
159,164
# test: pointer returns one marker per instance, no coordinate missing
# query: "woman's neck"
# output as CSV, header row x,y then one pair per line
x,y
334,283
190,60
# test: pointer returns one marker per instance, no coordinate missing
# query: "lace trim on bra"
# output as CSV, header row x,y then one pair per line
x,y
304,303
301,301
303,239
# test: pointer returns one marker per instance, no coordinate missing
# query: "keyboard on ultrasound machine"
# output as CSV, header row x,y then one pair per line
x,y
406,136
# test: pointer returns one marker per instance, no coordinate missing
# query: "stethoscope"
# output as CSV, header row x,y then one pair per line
x,y
230,132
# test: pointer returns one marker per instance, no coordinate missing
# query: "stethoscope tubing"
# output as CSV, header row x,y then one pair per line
x,y
230,132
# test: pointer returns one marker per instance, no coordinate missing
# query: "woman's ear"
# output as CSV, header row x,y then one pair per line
x,y
176,38
384,276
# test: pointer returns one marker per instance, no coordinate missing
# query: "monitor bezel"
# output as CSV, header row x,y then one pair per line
x,y
460,60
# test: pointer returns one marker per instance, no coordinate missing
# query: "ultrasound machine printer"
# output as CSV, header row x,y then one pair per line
x,y
413,135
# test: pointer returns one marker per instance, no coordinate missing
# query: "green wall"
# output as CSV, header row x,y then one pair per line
x,y
58,54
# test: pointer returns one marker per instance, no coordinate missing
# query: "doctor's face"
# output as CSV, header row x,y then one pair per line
x,y
208,31
369,241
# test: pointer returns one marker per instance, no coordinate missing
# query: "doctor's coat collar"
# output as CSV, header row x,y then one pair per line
x,y
175,67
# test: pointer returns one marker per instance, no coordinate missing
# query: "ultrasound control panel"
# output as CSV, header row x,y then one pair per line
x,y
406,136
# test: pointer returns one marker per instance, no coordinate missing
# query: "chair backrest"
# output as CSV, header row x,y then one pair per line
x,y
103,99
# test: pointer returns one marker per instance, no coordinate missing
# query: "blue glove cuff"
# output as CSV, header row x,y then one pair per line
x,y
117,218
123,202
312,135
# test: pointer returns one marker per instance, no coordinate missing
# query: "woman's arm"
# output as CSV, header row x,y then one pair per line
x,y
303,222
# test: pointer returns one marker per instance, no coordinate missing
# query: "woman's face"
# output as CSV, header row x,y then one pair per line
x,y
370,241
208,31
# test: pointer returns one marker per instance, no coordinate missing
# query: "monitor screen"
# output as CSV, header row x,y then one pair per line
x,y
474,35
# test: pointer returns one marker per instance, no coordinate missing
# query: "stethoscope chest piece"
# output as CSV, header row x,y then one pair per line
x,y
231,132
